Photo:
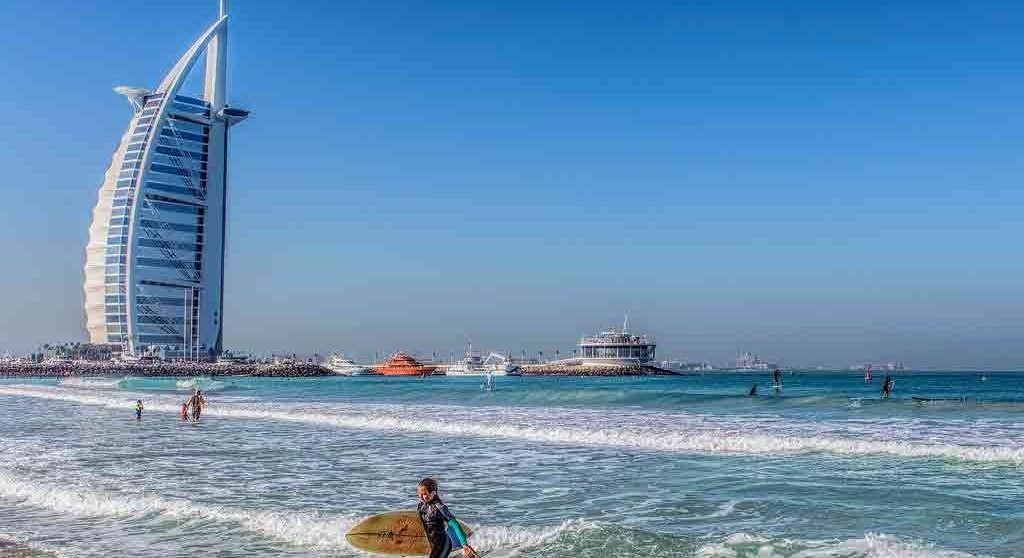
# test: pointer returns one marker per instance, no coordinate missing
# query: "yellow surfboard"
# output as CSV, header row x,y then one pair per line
x,y
397,533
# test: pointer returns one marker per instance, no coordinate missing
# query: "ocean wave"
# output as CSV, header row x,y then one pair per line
x,y
298,528
130,383
707,439
16,546
91,383
507,541
871,545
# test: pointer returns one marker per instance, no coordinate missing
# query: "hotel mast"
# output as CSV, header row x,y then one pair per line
x,y
154,270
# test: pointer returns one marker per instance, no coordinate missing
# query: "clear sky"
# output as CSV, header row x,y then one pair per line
x,y
821,183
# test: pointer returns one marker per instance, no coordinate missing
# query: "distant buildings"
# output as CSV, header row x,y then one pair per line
x,y
154,270
616,347
750,361
883,367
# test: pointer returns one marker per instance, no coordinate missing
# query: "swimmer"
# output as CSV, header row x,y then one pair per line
x,y
138,409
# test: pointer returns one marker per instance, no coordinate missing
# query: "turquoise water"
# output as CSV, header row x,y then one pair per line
x,y
543,467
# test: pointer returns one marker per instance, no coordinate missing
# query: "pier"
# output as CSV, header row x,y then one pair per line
x,y
576,368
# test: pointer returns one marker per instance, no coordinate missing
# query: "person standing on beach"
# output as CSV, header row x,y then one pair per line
x,y
437,520
138,409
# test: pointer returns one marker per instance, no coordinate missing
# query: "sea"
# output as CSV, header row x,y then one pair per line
x,y
540,467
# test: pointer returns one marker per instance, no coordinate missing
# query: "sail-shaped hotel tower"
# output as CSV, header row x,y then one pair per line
x,y
154,270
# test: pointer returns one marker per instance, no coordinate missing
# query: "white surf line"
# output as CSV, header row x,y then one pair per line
x,y
297,528
22,542
671,442
490,539
871,545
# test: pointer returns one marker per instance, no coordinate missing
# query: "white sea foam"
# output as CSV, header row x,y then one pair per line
x,y
871,545
704,436
27,543
297,528
508,541
91,383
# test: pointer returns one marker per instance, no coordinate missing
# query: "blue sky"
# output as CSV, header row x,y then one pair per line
x,y
822,184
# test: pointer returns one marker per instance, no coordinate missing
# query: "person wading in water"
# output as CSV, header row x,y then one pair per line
x,y
437,521
197,402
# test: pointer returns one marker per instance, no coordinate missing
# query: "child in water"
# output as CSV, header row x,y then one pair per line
x,y
184,411
436,520
138,409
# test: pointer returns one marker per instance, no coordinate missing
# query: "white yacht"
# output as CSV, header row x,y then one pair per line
x,y
346,367
474,364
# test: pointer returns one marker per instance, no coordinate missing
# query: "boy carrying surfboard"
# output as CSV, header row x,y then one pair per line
x,y
438,522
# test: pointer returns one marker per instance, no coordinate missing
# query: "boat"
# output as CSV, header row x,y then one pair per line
x,y
401,364
473,364
346,367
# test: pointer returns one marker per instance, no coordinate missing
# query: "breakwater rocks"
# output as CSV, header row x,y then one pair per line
x,y
592,370
143,369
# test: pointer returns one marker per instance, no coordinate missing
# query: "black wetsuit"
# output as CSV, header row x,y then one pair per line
x,y
197,406
435,517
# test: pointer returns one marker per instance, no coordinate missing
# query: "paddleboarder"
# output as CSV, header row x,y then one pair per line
x,y
438,522
887,386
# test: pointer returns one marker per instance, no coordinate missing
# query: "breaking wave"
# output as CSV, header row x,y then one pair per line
x,y
871,545
297,528
145,384
708,438
293,527
502,541
91,383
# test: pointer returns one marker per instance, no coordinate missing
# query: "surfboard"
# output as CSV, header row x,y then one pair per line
x,y
398,533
